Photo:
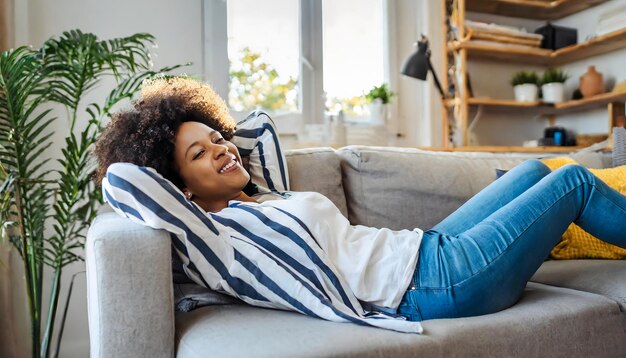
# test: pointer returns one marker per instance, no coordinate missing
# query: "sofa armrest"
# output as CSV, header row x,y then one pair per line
x,y
129,289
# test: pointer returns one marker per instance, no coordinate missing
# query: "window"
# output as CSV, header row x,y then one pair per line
x,y
263,51
353,52
295,59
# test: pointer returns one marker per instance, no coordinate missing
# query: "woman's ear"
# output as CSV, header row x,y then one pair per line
x,y
187,194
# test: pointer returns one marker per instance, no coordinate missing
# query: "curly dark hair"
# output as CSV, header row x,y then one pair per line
x,y
145,134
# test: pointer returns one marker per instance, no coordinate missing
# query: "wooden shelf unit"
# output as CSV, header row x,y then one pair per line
x,y
538,56
464,50
532,9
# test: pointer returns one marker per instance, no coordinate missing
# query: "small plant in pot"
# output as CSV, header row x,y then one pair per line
x,y
525,86
378,98
552,87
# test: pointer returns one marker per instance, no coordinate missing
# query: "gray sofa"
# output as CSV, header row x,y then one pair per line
x,y
571,308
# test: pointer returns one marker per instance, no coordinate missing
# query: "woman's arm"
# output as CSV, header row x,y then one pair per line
x,y
145,197
257,140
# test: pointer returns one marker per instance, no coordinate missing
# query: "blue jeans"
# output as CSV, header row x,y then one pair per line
x,y
479,259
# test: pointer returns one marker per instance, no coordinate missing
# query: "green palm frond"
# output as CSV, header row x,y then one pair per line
x,y
23,90
125,90
78,60
129,53
36,193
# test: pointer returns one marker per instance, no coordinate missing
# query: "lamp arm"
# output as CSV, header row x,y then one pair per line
x,y
432,70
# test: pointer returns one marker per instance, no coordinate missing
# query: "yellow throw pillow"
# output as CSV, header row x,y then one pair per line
x,y
576,243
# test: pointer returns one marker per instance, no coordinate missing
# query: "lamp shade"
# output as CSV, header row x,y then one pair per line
x,y
416,65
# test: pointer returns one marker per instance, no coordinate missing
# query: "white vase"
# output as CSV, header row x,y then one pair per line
x,y
526,92
378,111
553,92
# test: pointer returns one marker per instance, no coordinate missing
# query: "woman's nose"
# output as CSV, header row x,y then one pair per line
x,y
220,150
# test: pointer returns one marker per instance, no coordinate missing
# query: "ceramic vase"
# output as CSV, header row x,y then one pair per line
x,y
526,92
591,83
553,92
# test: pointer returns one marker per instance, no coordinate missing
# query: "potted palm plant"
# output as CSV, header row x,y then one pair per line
x,y
46,204
378,98
552,85
525,85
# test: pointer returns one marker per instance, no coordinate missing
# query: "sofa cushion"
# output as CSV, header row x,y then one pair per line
x,y
540,324
317,169
403,188
604,277
407,188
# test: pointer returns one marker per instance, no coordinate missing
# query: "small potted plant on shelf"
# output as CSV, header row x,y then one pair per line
x,y
378,98
552,85
525,86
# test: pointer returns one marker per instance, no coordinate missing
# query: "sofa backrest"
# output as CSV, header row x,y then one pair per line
x,y
402,188
407,188
317,169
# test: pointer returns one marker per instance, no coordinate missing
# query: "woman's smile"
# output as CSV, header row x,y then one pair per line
x,y
230,166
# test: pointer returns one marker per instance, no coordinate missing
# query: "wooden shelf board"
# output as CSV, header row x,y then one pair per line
x,y
503,149
526,55
501,102
507,105
532,9
596,46
590,103
536,56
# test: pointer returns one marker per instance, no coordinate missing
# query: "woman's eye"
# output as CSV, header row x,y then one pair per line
x,y
219,140
198,154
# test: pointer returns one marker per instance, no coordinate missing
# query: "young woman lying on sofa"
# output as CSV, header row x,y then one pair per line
x,y
175,161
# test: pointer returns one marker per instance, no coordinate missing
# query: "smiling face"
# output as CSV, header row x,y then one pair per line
x,y
209,165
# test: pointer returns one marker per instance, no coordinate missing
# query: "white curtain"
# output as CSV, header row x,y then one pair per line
x,y
12,320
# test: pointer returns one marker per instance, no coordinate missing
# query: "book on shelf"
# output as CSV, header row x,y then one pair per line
x,y
610,21
501,34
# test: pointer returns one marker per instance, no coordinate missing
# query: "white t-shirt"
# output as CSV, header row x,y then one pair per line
x,y
377,264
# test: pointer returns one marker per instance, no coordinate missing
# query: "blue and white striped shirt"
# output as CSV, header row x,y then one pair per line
x,y
298,254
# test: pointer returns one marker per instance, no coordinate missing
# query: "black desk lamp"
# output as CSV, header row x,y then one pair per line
x,y
418,64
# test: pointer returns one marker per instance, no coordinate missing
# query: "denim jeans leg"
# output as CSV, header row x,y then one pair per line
x,y
493,197
408,307
486,268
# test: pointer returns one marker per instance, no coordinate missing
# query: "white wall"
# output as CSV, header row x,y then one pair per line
x,y
177,27
408,118
418,103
